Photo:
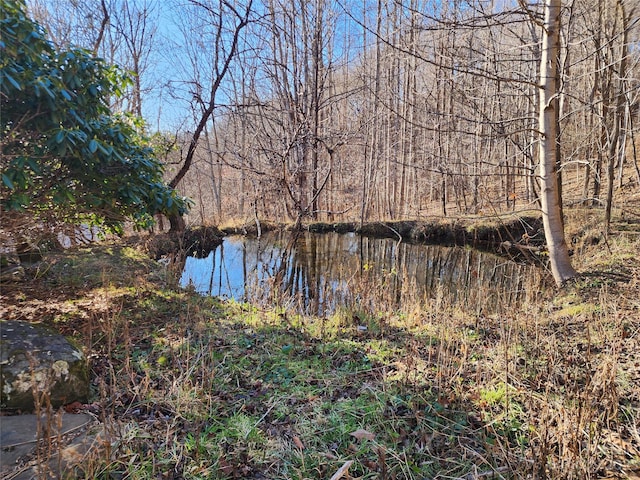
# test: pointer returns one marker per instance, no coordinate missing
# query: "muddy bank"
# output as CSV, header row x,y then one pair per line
x,y
519,239
478,235
255,228
196,241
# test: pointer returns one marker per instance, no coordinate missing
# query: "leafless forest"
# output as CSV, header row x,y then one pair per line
x,y
333,110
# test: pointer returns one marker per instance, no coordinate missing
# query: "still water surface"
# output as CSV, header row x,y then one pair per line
x,y
319,273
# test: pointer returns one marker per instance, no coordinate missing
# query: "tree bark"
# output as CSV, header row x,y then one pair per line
x,y
550,198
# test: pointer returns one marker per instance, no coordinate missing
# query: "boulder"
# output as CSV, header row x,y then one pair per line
x,y
35,356
78,438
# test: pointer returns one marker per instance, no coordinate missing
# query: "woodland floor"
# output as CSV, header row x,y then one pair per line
x,y
194,387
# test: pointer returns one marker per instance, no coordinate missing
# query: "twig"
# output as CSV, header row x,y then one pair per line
x,y
264,416
342,470
496,473
394,231
605,235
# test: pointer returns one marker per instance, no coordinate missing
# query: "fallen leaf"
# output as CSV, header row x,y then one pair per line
x,y
74,407
371,465
361,433
298,443
224,466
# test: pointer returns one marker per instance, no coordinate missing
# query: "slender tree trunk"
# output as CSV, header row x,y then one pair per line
x,y
615,142
316,53
373,130
215,176
633,148
551,201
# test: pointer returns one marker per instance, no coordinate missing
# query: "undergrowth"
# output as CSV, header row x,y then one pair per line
x,y
197,388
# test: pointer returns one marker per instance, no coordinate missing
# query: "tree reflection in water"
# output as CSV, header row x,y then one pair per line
x,y
317,273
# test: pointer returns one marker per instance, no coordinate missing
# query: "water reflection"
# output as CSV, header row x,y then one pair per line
x,y
318,273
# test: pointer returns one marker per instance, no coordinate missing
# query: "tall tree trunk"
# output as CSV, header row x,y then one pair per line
x,y
551,200
615,142
373,143
317,67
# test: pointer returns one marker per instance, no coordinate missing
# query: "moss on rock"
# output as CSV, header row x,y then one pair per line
x,y
37,361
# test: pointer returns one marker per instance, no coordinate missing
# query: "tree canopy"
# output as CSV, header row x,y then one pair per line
x,y
66,156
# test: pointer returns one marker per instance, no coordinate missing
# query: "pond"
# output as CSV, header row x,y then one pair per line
x,y
316,274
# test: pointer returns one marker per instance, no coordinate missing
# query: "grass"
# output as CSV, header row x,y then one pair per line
x,y
193,387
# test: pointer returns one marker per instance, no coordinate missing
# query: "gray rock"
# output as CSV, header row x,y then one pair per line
x,y
34,356
75,435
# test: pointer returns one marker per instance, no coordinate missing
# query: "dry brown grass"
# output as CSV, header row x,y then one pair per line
x,y
189,387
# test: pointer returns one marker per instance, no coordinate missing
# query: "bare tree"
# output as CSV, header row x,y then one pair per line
x,y
616,142
136,24
226,22
550,198
121,32
81,24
